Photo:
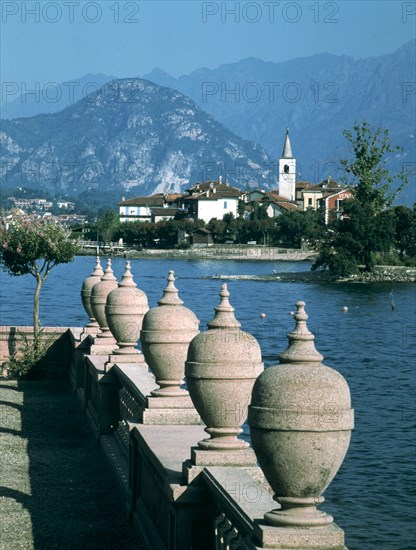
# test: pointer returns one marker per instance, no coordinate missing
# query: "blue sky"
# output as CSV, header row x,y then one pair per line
x,y
45,41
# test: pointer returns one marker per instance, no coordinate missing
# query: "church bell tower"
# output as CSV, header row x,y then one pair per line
x,y
287,171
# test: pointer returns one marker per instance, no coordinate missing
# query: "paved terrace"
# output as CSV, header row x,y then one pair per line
x,y
56,490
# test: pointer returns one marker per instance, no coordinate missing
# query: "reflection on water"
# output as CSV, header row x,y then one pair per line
x,y
374,495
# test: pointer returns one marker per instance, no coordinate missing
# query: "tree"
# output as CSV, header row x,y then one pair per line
x,y
367,226
107,224
372,181
34,248
405,230
352,241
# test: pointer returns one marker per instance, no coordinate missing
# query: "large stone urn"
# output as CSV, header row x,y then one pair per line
x,y
87,285
221,368
165,337
125,308
300,420
99,295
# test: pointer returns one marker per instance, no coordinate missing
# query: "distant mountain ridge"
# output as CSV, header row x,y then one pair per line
x,y
133,136
317,97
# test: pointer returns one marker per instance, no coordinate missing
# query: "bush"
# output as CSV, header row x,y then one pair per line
x,y
184,245
27,355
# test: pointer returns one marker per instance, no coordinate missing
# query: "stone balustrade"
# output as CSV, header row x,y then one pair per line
x,y
183,490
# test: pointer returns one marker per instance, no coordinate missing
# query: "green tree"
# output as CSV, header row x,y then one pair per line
x,y
366,171
34,248
294,226
340,248
367,226
107,224
405,230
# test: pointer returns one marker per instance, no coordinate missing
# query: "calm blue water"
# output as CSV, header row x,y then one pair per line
x,y
373,497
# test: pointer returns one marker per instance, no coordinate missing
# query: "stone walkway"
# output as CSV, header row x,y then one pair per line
x,y
56,490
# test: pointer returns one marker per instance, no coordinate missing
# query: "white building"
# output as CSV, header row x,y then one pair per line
x,y
287,171
140,209
212,199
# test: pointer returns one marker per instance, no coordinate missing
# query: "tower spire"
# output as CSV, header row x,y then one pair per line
x,y
287,149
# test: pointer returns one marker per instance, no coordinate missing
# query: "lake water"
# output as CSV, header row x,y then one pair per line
x,y
373,497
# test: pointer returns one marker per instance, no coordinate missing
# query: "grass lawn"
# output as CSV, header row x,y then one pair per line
x,y
56,491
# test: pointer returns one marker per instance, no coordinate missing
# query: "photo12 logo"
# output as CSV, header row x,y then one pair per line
x,y
69,12
269,12
269,92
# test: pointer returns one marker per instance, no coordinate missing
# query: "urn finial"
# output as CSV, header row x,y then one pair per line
x,y
301,347
127,279
108,272
224,312
99,295
125,308
170,294
98,270
86,289
221,368
300,420
167,331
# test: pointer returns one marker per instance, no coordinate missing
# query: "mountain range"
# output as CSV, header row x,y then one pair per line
x,y
317,97
132,137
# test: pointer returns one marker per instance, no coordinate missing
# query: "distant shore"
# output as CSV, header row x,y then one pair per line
x,y
217,252
381,274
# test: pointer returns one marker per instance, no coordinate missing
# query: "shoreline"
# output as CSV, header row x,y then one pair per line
x,y
219,252
381,274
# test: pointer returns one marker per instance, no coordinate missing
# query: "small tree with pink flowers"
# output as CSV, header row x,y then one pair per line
x,y
34,248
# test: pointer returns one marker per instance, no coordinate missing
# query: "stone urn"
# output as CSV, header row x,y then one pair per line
x,y
300,420
87,285
165,337
221,368
125,308
99,293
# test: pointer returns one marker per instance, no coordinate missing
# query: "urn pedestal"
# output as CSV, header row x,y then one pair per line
x,y
300,420
125,308
104,343
92,327
221,368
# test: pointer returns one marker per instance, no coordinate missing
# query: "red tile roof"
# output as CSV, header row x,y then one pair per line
x,y
153,200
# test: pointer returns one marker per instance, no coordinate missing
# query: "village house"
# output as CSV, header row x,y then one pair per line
x,y
275,203
329,194
140,208
212,199
204,201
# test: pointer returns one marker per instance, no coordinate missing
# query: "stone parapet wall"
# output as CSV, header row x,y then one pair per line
x,y
59,352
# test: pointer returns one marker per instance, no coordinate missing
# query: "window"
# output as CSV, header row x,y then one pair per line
x,y
310,201
225,204
286,168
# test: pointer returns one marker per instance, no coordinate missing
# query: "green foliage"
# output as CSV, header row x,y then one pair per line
x,y
259,212
184,245
297,226
34,247
372,181
27,354
369,229
405,231
348,243
108,224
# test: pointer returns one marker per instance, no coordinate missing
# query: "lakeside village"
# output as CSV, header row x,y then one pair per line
x,y
202,204
298,220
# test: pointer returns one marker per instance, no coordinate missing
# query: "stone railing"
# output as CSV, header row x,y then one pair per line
x,y
182,489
